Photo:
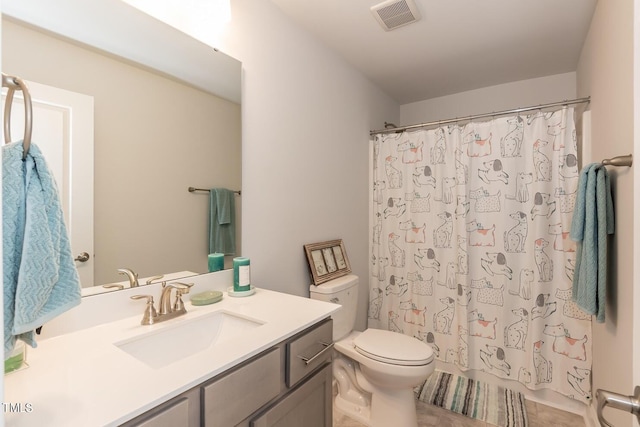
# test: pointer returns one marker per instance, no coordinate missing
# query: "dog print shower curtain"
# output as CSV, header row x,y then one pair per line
x,y
471,250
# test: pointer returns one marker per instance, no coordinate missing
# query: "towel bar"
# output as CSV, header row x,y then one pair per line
x,y
619,161
617,401
192,189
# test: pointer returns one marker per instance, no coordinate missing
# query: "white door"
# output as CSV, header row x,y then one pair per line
x,y
63,130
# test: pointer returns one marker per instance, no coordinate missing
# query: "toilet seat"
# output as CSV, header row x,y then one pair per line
x,y
393,348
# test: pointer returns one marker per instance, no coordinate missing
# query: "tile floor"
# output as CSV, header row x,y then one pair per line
x,y
539,415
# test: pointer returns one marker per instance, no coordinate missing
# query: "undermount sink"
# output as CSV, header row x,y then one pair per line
x,y
162,347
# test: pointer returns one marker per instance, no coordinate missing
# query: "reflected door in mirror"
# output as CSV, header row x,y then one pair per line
x,y
63,129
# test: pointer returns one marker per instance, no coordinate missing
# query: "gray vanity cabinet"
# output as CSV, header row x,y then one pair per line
x,y
304,398
288,385
307,399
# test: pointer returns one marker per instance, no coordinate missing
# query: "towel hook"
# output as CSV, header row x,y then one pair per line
x,y
13,83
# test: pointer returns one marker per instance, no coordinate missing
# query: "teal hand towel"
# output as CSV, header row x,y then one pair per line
x,y
39,274
224,204
593,220
222,229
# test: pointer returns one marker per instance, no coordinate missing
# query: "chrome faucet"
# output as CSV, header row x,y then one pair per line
x,y
133,277
165,310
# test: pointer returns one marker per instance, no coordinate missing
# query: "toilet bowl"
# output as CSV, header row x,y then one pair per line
x,y
388,378
375,370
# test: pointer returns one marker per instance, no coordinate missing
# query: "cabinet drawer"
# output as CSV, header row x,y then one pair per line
x,y
309,351
228,400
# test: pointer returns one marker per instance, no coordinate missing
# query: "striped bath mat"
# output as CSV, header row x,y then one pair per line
x,y
490,403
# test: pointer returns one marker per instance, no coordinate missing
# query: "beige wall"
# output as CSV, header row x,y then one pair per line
x,y
154,137
636,191
524,93
305,130
605,72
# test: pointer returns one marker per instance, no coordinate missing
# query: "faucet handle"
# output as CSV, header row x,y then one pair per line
x,y
181,289
150,314
152,279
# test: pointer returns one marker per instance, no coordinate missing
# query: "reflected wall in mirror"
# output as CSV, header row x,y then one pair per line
x,y
154,137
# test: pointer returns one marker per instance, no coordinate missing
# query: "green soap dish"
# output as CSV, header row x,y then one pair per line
x,y
206,298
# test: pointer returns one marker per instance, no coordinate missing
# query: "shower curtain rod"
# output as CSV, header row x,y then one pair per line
x,y
479,116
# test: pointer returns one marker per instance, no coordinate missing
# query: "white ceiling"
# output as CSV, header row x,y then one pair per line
x,y
458,45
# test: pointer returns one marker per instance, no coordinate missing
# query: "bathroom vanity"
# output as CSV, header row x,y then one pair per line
x,y
276,387
236,362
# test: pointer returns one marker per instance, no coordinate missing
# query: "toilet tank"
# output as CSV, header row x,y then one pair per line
x,y
343,291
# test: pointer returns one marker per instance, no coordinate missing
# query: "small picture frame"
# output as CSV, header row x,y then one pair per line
x,y
327,260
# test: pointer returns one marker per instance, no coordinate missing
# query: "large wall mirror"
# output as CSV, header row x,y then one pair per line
x,y
166,117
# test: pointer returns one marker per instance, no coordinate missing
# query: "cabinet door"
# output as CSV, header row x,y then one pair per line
x,y
307,405
234,397
183,410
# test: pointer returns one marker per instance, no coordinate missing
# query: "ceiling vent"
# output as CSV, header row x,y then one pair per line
x,y
393,14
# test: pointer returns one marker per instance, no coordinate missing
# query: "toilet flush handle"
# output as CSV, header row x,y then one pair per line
x,y
335,300
617,401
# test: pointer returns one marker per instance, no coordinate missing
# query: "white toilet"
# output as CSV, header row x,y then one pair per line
x,y
376,370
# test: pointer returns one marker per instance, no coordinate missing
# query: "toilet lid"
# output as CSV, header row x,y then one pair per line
x,y
393,348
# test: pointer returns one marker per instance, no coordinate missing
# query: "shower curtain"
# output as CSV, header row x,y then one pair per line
x,y
470,247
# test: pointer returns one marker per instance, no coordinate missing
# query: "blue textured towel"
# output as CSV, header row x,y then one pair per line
x,y
40,277
222,229
593,220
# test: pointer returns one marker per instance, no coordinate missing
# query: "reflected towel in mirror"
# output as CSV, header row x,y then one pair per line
x,y
222,229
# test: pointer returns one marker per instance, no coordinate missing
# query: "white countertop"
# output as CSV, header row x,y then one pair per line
x,y
83,379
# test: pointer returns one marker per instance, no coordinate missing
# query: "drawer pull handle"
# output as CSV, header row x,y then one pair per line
x,y
327,347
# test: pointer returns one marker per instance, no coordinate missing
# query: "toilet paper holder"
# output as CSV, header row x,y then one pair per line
x,y
625,403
